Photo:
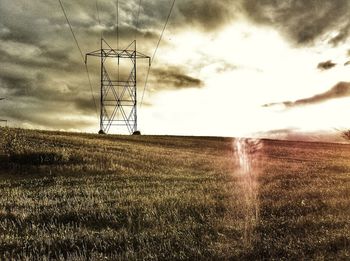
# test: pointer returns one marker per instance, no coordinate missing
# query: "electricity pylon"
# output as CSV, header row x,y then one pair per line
x,y
118,96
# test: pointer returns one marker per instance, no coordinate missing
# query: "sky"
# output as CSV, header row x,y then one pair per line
x,y
223,67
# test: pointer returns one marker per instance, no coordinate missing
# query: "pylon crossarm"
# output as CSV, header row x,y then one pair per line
x,y
112,53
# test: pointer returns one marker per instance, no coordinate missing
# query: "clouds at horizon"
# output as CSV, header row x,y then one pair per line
x,y
42,74
41,67
340,90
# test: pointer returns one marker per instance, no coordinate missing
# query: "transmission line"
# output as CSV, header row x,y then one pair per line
x,y
165,25
81,53
98,13
117,24
137,20
99,18
155,51
71,29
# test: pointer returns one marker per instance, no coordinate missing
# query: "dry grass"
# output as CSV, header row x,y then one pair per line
x,y
346,134
304,202
80,196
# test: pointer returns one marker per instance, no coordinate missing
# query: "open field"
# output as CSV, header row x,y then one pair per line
x,y
83,196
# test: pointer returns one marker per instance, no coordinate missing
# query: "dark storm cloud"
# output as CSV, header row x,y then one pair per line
x,y
340,90
206,15
41,69
209,15
32,101
301,21
41,73
43,115
55,59
326,65
15,85
33,97
84,104
38,84
174,77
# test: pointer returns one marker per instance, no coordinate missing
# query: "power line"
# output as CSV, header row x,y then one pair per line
x,y
144,87
98,17
117,24
71,29
137,20
91,89
81,53
161,35
98,13
117,16
155,51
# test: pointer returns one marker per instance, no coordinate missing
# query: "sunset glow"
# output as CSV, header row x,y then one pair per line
x,y
204,80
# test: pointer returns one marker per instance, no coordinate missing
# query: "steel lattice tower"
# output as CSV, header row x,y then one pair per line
x,y
118,97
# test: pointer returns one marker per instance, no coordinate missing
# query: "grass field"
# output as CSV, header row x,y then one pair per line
x,y
83,196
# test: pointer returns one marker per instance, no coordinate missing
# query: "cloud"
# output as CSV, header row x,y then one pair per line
x,y
295,134
347,63
303,22
42,98
207,14
174,78
226,67
340,90
326,65
41,73
342,35
41,67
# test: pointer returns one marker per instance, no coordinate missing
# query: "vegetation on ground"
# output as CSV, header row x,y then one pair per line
x,y
83,196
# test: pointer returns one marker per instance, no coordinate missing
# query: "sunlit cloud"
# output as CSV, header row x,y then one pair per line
x,y
218,63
